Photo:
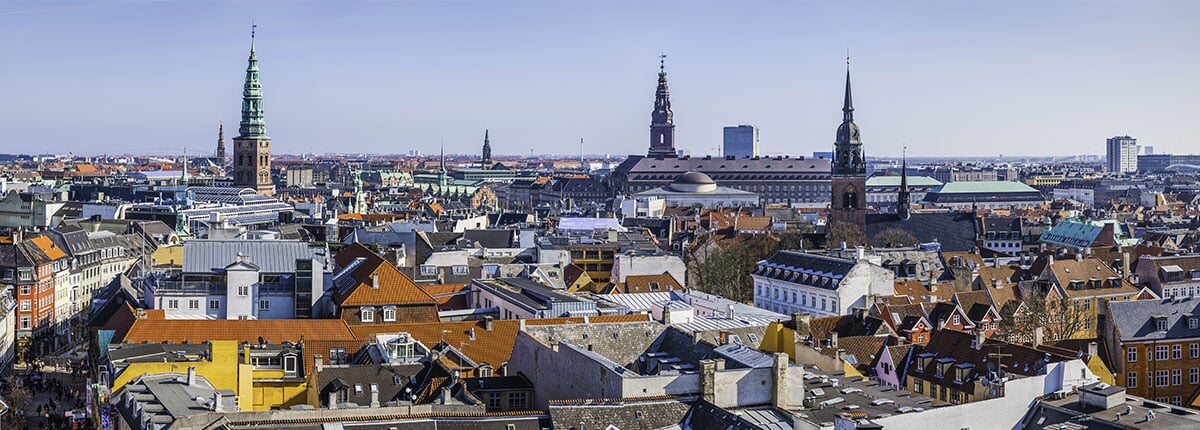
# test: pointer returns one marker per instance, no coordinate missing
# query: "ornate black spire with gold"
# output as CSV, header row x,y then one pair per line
x,y
662,120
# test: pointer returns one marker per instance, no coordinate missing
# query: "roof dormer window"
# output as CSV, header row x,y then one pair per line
x,y
1160,323
1193,322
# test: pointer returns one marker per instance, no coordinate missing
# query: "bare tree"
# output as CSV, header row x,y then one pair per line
x,y
840,231
1056,318
893,237
18,399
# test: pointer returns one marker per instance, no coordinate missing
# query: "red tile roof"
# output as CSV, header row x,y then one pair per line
x,y
377,282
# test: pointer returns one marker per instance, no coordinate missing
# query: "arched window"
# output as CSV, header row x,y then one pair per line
x,y
850,198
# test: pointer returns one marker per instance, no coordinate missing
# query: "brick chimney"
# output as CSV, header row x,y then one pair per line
x,y
800,321
708,369
779,388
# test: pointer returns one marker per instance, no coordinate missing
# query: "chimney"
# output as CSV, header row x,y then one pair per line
x,y
860,252
191,376
374,395
1078,256
586,320
333,400
445,398
730,313
720,364
520,324
217,400
1093,349
833,339
375,281
997,284
779,388
980,338
1038,336
708,370
800,322
488,323
318,361
1125,265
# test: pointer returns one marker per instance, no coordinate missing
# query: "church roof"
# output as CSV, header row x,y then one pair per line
x,y
954,231
894,181
985,187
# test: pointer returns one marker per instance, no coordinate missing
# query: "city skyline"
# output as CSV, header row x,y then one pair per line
x,y
389,78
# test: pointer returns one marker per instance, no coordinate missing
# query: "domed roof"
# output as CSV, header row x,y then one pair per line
x,y
693,182
694,177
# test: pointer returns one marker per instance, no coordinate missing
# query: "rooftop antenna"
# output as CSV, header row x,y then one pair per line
x,y
581,166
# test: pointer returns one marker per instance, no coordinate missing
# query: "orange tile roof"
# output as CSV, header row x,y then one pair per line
x,y
641,283
920,292
448,296
757,223
1064,271
394,287
492,347
47,247
275,331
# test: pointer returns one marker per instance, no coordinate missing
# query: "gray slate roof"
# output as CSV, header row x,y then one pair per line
x,y
1136,319
271,256
644,415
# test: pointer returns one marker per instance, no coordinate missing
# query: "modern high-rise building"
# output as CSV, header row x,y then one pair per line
x,y
741,141
252,147
1122,154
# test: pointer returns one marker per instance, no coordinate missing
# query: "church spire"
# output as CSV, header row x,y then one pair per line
x,y
904,199
442,169
252,124
847,103
847,148
487,150
252,147
662,120
221,143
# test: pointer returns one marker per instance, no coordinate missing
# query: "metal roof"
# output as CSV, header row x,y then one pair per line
x,y
637,302
271,256
894,181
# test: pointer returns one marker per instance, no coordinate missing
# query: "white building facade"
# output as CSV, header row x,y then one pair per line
x,y
790,281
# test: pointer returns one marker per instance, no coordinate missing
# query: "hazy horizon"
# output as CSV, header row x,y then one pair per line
x,y
947,78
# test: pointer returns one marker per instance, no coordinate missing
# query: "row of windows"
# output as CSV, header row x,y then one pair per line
x,y
368,314
1165,378
805,300
1163,352
944,394
213,304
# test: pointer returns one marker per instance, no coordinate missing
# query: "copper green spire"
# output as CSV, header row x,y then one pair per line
x,y
252,125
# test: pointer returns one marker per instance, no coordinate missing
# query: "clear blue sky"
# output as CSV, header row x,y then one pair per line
x,y
948,78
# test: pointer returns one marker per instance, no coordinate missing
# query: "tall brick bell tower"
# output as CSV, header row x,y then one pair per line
x,y
848,208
